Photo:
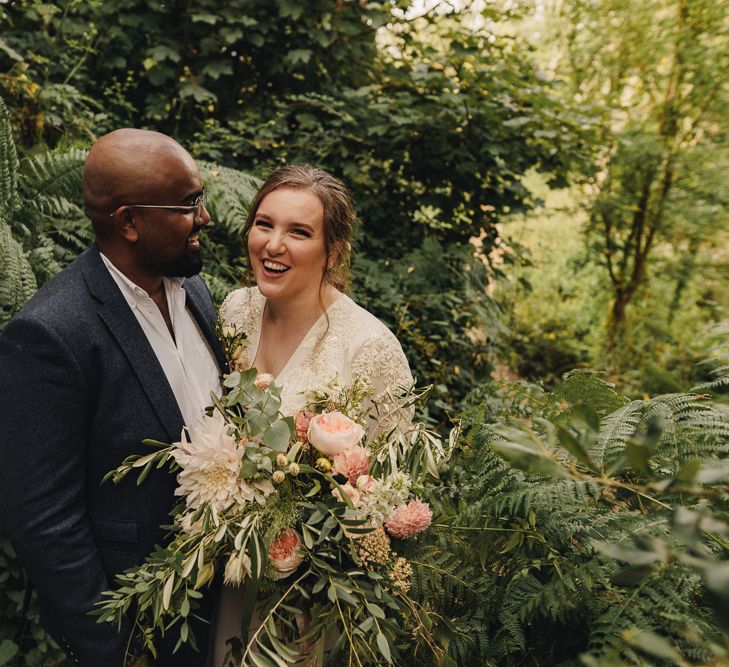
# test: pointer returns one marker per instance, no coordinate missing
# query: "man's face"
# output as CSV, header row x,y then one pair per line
x,y
168,240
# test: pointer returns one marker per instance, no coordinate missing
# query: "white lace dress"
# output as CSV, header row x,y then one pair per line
x,y
354,343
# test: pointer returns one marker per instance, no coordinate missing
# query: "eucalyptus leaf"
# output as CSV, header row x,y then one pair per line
x,y
277,436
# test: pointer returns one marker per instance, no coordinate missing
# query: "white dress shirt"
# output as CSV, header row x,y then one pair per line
x,y
186,359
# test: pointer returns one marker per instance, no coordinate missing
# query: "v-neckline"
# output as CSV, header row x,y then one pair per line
x,y
256,343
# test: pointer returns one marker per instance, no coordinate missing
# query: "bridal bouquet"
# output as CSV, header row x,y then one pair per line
x,y
306,514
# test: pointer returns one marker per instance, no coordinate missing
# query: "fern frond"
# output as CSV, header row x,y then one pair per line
x,y
17,280
615,431
546,498
585,386
231,193
8,164
53,174
569,588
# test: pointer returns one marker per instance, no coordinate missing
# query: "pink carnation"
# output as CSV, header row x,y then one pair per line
x,y
302,424
352,463
409,519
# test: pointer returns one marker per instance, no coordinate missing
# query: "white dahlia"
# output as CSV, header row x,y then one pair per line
x,y
210,459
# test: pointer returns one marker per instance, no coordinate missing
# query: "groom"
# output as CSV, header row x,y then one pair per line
x,y
117,348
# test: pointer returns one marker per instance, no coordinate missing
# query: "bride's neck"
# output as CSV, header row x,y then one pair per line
x,y
301,309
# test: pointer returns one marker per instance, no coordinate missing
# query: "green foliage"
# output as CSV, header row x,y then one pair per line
x,y
17,282
664,126
29,645
571,540
76,68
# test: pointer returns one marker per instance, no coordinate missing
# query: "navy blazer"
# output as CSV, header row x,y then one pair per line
x,y
80,388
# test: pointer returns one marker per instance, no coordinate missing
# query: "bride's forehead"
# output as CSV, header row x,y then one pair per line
x,y
288,202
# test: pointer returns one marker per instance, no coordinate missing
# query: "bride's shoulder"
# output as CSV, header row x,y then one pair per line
x,y
242,307
365,326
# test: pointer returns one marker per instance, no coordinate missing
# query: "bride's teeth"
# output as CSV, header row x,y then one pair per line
x,y
275,266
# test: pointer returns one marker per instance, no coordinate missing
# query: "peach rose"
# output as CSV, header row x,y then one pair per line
x,y
333,433
285,552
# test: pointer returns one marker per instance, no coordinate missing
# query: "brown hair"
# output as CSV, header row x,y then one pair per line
x,y
339,215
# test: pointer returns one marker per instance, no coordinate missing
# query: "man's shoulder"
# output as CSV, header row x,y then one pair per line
x,y
198,286
62,298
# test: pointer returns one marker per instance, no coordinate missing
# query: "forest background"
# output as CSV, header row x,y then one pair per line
x,y
541,187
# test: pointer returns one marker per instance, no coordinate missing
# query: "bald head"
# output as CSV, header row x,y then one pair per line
x,y
130,166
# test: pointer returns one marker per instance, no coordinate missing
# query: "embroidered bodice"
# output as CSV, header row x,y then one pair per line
x,y
353,343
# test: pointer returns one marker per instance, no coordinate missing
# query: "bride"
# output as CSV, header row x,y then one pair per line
x,y
301,327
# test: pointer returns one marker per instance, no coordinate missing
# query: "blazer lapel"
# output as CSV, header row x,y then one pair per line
x,y
120,320
193,302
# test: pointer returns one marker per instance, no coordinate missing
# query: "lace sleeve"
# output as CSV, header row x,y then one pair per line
x,y
241,309
229,306
382,361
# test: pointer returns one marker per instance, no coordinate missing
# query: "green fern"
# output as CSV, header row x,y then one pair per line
x,y
17,280
526,542
8,164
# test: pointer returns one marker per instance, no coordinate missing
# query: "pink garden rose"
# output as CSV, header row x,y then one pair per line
x,y
333,433
409,519
352,463
285,552
302,424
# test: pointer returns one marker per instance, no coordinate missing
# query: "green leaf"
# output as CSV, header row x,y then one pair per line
x,y
308,537
638,456
314,489
525,451
689,470
376,611
277,436
573,446
248,469
161,53
8,650
630,556
232,380
384,646
210,19
167,591
651,643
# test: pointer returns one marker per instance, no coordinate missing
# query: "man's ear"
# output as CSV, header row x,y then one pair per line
x,y
125,222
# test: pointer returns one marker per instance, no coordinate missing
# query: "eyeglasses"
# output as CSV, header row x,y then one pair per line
x,y
195,208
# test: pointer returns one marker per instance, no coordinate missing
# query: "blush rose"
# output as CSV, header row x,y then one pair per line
x,y
333,433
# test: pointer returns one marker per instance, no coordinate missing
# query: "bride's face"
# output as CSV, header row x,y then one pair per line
x,y
286,244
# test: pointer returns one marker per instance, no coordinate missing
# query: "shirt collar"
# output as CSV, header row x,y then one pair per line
x,y
131,291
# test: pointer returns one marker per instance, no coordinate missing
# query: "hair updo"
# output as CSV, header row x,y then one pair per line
x,y
339,215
